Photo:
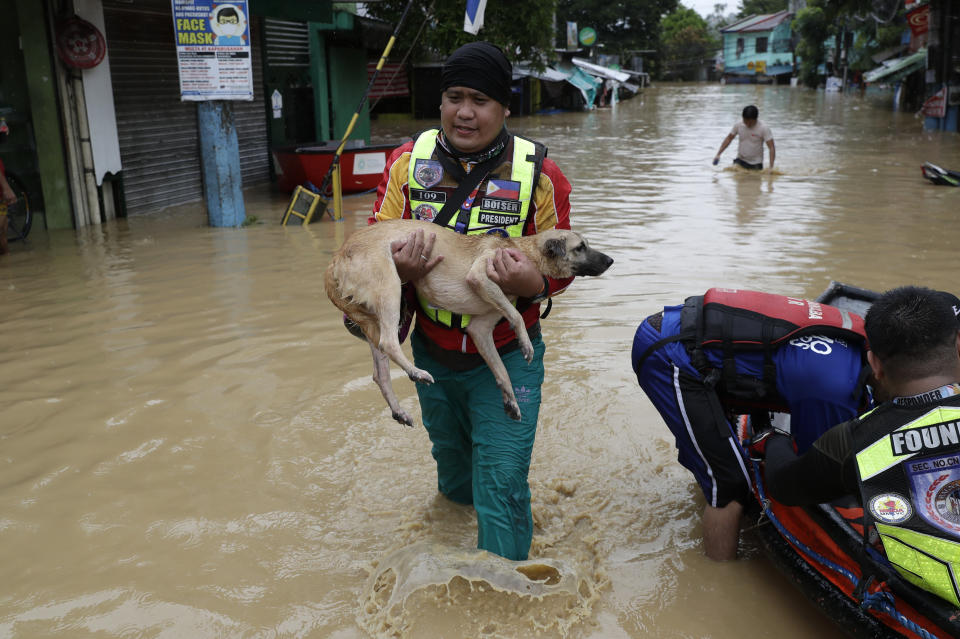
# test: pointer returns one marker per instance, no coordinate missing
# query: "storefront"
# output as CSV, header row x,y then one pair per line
x,y
33,149
157,131
114,138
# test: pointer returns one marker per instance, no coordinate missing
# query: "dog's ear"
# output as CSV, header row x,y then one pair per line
x,y
555,248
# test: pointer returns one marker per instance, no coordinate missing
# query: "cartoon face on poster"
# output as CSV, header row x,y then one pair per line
x,y
229,24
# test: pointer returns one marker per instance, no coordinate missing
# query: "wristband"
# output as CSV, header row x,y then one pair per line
x,y
542,295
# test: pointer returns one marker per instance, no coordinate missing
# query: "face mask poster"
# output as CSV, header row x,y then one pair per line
x,y
213,49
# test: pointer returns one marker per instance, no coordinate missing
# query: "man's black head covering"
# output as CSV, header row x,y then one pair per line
x,y
481,66
952,300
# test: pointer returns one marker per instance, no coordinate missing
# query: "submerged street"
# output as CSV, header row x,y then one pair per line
x,y
192,445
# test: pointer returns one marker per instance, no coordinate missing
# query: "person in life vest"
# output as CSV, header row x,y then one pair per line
x,y
732,352
474,176
903,457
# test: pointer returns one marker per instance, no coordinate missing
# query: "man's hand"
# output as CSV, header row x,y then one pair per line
x,y
411,255
514,273
757,445
9,197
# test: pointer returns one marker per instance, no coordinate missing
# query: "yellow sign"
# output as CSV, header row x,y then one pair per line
x,y
760,66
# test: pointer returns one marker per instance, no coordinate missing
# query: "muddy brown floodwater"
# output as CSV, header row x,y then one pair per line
x,y
191,445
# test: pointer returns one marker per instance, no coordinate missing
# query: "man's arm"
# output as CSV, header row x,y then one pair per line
x,y
723,145
818,476
391,202
411,255
773,152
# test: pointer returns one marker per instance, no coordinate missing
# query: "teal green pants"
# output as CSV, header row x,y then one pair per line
x,y
483,456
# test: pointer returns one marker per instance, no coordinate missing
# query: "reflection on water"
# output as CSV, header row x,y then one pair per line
x,y
192,446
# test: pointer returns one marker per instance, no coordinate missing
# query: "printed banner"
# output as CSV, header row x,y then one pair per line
x,y
572,42
919,20
213,49
936,105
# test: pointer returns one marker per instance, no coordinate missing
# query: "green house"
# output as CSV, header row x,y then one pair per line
x,y
758,48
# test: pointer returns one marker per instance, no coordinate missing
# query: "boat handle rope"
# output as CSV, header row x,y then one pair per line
x,y
880,600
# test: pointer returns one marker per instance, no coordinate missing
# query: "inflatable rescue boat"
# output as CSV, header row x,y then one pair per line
x,y
824,551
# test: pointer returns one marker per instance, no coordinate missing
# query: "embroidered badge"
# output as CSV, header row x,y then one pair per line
x,y
503,189
935,484
891,508
425,212
500,232
427,173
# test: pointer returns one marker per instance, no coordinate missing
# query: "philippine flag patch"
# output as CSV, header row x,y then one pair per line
x,y
503,189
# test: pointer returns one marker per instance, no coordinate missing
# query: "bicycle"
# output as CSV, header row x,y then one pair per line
x,y
19,215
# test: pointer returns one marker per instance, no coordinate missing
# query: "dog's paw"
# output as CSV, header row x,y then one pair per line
x,y
420,375
403,417
512,409
527,350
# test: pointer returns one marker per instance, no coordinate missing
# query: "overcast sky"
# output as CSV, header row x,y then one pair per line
x,y
705,7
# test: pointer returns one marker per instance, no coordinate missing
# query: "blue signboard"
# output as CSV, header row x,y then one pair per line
x,y
213,49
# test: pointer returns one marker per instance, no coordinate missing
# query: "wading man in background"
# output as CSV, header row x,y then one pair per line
x,y
473,176
752,134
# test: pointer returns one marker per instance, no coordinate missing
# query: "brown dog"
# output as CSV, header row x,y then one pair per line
x,y
362,282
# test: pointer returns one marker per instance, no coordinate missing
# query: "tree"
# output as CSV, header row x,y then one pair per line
x,y
873,40
760,7
524,34
813,28
824,18
686,42
621,25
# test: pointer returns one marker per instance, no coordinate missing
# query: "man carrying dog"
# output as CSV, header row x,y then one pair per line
x,y
734,352
475,177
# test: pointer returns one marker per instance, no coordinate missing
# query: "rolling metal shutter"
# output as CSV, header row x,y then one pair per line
x,y
158,133
288,43
250,118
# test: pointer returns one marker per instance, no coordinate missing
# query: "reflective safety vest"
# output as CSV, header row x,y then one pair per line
x,y
908,463
503,207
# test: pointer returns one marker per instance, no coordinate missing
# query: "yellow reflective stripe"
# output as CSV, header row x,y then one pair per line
x,y
878,456
523,169
928,562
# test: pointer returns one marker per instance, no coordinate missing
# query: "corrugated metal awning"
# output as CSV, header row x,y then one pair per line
x,y
601,71
521,70
893,70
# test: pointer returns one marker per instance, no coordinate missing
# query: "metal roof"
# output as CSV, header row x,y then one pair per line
x,y
765,22
893,70
603,72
